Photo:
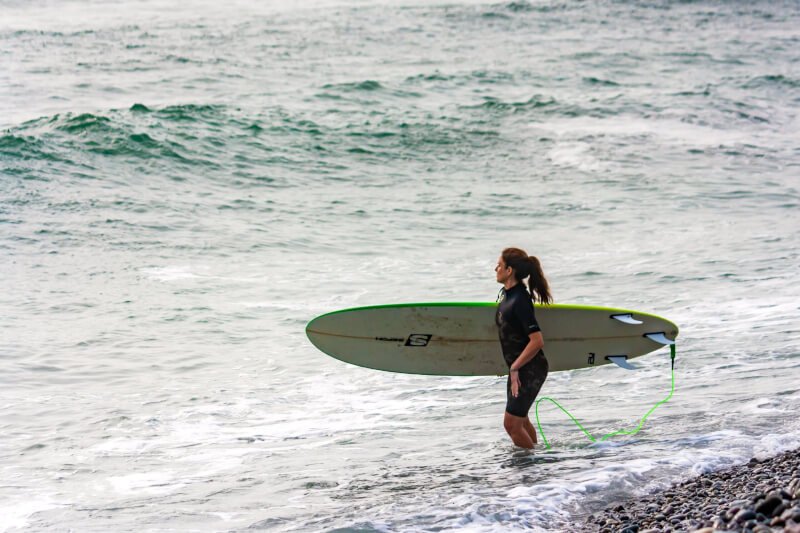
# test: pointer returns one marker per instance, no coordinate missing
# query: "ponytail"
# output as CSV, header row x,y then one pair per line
x,y
537,283
526,266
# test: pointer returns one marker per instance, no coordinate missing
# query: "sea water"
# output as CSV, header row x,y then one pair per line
x,y
183,186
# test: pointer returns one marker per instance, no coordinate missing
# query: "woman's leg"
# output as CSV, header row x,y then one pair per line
x,y
515,427
533,386
530,430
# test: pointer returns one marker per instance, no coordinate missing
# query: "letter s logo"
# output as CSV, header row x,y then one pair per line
x,y
418,339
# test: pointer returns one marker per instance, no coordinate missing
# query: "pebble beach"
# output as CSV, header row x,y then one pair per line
x,y
759,496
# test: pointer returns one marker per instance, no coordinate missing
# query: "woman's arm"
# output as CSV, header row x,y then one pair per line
x,y
535,344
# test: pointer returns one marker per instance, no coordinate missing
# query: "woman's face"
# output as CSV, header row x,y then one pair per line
x,y
502,271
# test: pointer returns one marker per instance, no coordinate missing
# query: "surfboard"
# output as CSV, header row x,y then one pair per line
x,y
460,339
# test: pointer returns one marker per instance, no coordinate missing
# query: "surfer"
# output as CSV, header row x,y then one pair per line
x,y
521,339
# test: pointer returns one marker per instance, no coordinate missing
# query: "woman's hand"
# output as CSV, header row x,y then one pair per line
x,y
535,344
515,384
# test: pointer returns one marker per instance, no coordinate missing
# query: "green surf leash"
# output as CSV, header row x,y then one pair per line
x,y
613,433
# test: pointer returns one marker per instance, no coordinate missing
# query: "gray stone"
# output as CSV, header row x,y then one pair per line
x,y
755,496
738,503
769,505
744,515
777,522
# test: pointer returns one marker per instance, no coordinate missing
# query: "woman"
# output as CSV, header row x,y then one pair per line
x,y
521,339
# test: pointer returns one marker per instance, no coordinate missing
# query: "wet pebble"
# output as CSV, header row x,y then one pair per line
x,y
767,506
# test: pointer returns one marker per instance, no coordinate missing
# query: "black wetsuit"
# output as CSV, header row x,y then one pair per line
x,y
515,321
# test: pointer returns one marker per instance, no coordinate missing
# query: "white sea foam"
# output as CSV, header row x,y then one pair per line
x,y
150,483
172,273
17,513
666,129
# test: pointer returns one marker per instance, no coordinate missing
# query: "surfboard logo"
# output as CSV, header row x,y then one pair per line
x,y
418,339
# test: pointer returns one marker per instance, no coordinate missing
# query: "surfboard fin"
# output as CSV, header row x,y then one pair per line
x,y
626,318
659,338
621,361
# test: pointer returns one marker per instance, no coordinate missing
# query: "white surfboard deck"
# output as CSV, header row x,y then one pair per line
x,y
460,339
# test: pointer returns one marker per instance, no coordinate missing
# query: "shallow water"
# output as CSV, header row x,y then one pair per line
x,y
184,188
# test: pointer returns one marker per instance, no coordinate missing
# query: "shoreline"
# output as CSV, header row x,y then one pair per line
x,y
757,496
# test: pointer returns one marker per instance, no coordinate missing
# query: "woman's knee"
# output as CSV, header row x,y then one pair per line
x,y
512,423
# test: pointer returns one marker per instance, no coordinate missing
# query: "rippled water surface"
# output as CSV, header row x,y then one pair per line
x,y
183,186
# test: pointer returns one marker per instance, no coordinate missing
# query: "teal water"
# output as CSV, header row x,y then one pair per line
x,y
183,187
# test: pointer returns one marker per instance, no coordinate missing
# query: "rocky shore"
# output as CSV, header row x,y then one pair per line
x,y
759,496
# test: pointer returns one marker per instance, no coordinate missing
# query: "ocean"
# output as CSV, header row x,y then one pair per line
x,y
183,186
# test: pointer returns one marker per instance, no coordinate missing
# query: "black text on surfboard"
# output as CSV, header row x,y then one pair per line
x,y
418,339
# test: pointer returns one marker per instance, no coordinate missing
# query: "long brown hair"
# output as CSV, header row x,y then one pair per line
x,y
528,266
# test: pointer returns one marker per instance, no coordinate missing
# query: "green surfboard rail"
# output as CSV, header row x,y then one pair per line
x,y
611,310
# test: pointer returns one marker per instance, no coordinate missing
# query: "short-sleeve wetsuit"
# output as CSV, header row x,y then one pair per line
x,y
516,320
